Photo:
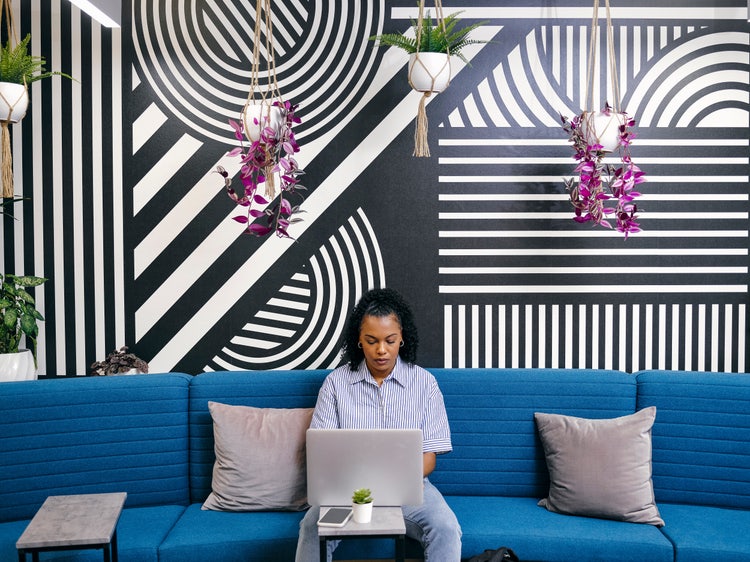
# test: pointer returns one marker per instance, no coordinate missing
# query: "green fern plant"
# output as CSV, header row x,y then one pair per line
x,y
434,38
19,67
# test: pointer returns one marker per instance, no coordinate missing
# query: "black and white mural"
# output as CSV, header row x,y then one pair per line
x,y
129,221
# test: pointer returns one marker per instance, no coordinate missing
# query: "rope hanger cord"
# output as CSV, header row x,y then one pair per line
x,y
263,17
6,153
263,97
421,146
593,43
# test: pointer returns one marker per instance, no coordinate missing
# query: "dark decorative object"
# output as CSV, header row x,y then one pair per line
x,y
118,362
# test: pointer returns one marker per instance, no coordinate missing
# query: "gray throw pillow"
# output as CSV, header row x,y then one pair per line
x,y
260,458
600,468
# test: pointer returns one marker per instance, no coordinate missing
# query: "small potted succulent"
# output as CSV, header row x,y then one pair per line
x,y
270,150
362,505
120,362
431,48
599,184
18,318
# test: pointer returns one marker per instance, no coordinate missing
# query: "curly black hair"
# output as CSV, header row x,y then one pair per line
x,y
379,302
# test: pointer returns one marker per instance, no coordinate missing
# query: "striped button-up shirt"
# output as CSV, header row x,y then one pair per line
x,y
409,398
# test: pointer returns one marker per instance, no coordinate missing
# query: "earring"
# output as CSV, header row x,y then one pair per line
x,y
359,345
402,343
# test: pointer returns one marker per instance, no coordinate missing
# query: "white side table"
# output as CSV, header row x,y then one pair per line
x,y
387,522
77,522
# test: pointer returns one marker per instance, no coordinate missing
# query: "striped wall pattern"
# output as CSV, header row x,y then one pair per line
x,y
628,337
68,166
302,324
129,223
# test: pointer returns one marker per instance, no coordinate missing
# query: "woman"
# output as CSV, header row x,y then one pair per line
x,y
381,387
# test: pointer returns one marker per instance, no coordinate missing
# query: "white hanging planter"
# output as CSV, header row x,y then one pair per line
x,y
602,128
362,512
14,100
258,115
17,366
429,72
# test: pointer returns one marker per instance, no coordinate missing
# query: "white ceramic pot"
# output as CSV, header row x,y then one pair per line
x,y
256,116
362,512
429,72
603,129
13,96
17,366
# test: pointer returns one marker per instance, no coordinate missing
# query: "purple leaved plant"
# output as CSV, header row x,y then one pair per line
x,y
272,153
602,191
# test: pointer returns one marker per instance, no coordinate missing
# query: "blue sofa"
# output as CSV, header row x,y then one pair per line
x,y
151,436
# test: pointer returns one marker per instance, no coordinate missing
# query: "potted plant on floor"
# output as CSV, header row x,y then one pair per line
x,y
18,318
362,505
120,362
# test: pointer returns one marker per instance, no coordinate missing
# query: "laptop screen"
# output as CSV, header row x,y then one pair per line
x,y
387,461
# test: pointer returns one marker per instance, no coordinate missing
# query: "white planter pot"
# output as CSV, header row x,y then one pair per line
x,y
13,96
257,116
17,366
603,129
362,512
429,72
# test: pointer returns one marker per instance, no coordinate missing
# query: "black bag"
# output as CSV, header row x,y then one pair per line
x,y
502,554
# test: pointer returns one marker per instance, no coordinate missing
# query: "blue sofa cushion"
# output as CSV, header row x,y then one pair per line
x,y
496,449
94,434
202,535
261,389
701,533
537,534
700,437
139,534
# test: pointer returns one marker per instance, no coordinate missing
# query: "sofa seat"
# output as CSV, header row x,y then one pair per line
x,y
701,533
202,535
140,531
537,534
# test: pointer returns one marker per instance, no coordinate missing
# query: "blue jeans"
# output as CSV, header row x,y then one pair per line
x,y
433,524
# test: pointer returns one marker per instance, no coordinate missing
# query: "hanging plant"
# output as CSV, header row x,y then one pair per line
x,y
429,70
265,124
273,150
600,184
18,69
601,191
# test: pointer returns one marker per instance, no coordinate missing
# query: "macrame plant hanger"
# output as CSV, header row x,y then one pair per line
x,y
589,110
421,146
261,96
6,167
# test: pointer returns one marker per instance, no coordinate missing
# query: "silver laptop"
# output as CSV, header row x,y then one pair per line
x,y
387,461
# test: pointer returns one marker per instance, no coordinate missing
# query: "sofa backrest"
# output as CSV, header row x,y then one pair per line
x,y
260,389
93,435
701,436
496,449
